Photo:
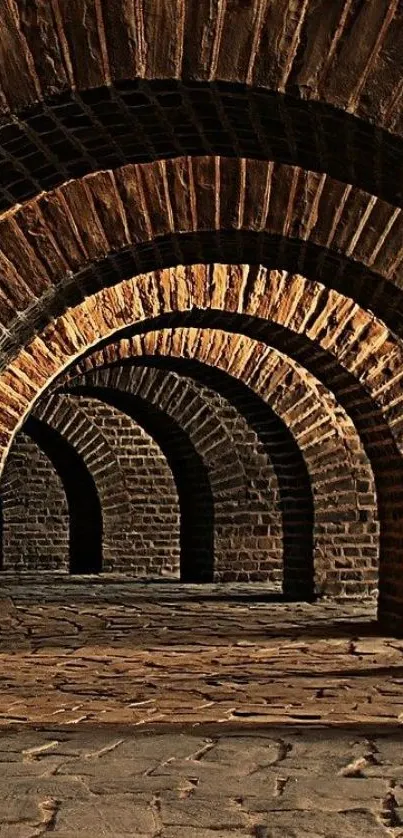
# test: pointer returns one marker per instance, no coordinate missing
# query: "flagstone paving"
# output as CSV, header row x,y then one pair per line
x,y
164,654
170,711
280,783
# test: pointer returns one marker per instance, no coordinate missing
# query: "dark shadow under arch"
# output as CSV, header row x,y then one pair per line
x,y
191,477
137,120
85,513
296,499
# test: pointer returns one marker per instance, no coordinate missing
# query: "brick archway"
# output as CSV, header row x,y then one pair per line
x,y
72,77
234,512
311,437
339,368
109,226
75,426
84,507
190,474
35,531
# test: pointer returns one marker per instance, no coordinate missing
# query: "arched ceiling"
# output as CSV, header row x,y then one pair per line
x,y
325,332
94,84
142,135
97,231
339,52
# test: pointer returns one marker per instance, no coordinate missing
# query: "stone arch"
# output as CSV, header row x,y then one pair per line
x,y
330,455
35,515
105,227
72,423
244,485
334,359
142,519
230,484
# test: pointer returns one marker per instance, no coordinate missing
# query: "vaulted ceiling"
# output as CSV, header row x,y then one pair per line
x,y
227,166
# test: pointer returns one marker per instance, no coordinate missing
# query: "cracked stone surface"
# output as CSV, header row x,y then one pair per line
x,y
278,783
85,652
174,711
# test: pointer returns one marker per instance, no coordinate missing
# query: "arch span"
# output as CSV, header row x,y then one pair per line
x,y
96,65
78,133
295,323
96,231
85,514
295,494
191,476
337,472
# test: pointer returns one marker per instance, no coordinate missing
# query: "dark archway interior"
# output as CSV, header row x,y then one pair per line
x,y
85,514
189,472
296,498
142,120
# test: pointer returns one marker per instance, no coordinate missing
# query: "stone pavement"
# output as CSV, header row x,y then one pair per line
x,y
161,655
169,711
281,783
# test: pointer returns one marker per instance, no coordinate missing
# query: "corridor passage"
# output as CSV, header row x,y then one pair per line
x,y
201,418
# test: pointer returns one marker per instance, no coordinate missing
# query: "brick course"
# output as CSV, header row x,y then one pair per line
x,y
35,512
346,529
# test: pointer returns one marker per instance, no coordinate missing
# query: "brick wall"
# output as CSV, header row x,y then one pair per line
x,y
35,513
143,533
144,537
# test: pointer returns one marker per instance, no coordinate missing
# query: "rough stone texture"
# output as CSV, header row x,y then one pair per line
x,y
311,50
87,85
282,783
262,213
165,655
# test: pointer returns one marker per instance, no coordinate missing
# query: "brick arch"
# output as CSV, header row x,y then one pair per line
x,y
313,444
84,507
45,545
301,319
93,66
105,227
250,518
72,423
196,500
46,147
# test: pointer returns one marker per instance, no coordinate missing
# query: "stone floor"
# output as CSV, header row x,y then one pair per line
x,y
281,783
175,711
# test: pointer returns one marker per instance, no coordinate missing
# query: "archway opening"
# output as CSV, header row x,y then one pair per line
x,y
85,513
190,475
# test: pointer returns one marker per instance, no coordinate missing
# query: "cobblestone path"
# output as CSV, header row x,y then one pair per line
x,y
278,784
170,711
123,653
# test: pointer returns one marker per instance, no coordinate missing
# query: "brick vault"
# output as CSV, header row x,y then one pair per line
x,y
201,267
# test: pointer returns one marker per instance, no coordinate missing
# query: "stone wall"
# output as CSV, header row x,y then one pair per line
x,y
144,538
